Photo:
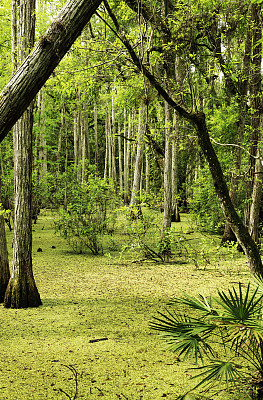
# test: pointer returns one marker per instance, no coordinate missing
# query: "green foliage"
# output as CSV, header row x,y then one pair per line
x,y
5,43
204,329
144,232
204,205
89,214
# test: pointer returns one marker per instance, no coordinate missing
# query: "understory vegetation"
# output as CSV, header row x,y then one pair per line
x,y
112,297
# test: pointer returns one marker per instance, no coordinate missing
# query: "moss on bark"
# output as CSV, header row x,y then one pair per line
x,y
22,293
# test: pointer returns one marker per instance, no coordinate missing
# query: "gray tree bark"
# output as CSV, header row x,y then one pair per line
x,y
257,192
167,213
21,291
135,195
120,152
113,143
96,138
256,123
4,263
41,62
127,154
42,140
175,206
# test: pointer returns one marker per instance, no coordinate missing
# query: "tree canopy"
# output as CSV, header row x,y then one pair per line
x,y
202,58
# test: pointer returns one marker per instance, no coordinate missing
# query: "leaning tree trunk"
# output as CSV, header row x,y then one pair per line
x,y
39,65
21,291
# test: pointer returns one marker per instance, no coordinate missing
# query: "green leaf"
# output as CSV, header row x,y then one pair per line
x,y
186,336
221,372
200,303
240,308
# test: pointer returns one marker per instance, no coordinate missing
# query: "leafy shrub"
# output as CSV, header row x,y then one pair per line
x,y
89,215
144,232
204,205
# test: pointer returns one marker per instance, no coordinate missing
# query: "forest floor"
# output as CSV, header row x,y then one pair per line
x,y
86,298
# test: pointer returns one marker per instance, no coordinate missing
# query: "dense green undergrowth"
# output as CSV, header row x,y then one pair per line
x,y
108,297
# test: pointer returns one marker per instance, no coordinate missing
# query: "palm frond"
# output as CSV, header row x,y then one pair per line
x,y
238,307
223,373
200,303
257,281
185,336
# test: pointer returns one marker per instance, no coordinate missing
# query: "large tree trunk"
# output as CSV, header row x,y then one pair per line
x,y
4,263
38,66
21,291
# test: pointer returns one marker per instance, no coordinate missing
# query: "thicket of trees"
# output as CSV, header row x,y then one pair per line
x,y
143,89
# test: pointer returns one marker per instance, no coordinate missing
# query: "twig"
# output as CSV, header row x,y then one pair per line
x,y
235,145
75,374
98,340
